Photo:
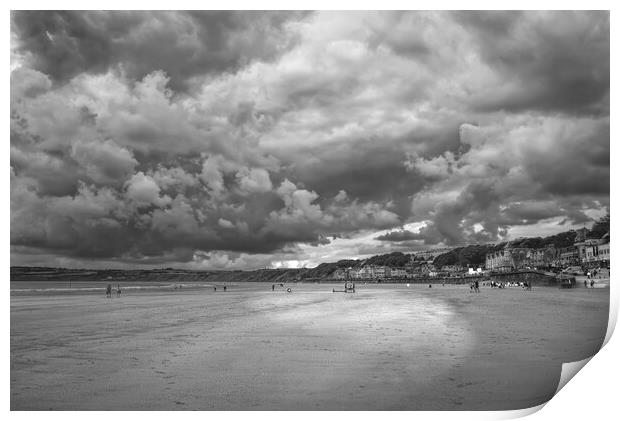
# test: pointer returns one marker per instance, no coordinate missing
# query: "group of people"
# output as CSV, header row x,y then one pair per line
x,y
585,283
592,275
501,285
108,291
474,286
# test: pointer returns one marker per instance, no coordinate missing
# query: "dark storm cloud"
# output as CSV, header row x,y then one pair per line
x,y
63,44
550,61
372,171
496,193
248,139
585,147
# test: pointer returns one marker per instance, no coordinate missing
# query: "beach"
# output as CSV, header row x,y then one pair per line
x,y
385,347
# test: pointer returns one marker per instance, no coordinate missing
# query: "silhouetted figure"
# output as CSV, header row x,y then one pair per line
x,y
214,289
476,286
585,283
108,291
273,287
224,288
592,283
118,290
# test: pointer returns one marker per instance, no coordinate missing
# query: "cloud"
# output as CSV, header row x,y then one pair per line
x,y
144,191
253,139
541,60
64,44
398,236
482,187
27,82
104,162
254,180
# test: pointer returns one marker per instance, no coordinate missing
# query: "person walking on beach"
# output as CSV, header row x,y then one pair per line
x,y
108,291
224,288
585,283
592,283
476,286
118,290
273,287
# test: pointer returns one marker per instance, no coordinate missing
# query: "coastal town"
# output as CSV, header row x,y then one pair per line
x,y
587,252
574,252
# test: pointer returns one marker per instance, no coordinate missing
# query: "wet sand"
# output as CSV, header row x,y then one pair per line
x,y
386,347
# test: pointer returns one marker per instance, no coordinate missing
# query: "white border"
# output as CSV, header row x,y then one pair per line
x,y
590,395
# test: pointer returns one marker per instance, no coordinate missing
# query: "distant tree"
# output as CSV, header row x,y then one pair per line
x,y
395,259
600,227
563,239
534,243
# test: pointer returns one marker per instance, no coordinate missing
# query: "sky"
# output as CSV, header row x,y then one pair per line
x,y
243,140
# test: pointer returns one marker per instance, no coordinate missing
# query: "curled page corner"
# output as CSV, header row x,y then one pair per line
x,y
569,370
520,413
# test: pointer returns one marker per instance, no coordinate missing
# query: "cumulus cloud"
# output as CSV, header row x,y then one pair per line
x,y
144,191
254,180
64,44
253,139
104,162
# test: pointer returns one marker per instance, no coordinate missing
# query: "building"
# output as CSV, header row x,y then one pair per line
x,y
381,272
603,253
542,257
474,272
568,256
499,261
372,272
588,249
365,272
398,273
507,259
595,251
453,268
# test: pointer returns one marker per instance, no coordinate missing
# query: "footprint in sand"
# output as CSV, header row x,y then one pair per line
x,y
461,385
